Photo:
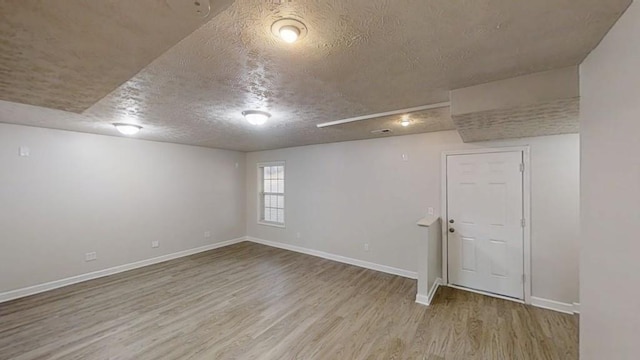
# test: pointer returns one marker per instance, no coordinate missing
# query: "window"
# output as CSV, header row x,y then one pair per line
x,y
271,194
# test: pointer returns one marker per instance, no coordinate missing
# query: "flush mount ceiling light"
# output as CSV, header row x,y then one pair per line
x,y
289,30
405,121
256,117
127,129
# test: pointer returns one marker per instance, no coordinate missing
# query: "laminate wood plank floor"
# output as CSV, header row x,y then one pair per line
x,y
249,301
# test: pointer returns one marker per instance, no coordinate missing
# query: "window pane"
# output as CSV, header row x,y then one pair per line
x,y
272,191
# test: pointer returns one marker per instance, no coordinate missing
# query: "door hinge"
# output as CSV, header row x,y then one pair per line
x,y
521,167
523,222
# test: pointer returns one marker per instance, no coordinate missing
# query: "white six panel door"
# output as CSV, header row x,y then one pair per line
x,y
485,212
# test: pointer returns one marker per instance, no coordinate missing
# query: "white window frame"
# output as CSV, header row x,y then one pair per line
x,y
260,193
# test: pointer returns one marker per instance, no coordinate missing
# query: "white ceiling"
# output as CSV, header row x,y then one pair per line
x,y
359,57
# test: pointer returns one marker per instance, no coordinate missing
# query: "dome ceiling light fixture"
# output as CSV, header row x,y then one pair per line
x,y
289,30
405,121
256,117
127,129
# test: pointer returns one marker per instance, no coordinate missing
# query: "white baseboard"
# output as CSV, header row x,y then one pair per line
x,y
576,308
32,290
426,299
338,258
423,300
555,305
434,289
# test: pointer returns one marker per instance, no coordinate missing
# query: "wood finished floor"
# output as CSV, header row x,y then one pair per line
x,y
250,301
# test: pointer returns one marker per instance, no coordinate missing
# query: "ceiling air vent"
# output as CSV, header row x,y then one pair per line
x,y
191,8
381,131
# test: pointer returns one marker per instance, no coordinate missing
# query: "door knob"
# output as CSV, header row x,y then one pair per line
x,y
451,230
451,221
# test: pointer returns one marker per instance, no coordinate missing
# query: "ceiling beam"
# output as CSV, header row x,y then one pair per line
x,y
387,113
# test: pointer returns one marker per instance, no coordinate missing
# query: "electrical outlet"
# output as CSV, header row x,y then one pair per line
x,y
366,247
207,234
155,244
430,211
90,256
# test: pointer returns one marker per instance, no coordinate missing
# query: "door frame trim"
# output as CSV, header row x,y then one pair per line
x,y
526,204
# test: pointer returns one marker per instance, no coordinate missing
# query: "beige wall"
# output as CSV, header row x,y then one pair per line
x,y
79,193
610,200
342,195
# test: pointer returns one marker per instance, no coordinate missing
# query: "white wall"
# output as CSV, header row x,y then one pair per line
x,y
78,193
342,195
434,254
610,258
517,91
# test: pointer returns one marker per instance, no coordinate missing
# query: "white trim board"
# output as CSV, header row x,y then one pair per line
x,y
36,289
556,305
338,258
421,299
427,299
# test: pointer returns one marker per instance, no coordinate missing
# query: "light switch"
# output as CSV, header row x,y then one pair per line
x,y
24,151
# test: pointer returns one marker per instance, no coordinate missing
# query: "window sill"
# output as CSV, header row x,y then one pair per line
x,y
271,224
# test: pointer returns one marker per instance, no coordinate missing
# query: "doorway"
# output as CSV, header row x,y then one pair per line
x,y
485,221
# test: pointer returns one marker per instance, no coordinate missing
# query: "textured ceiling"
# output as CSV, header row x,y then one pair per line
x,y
547,118
359,57
68,54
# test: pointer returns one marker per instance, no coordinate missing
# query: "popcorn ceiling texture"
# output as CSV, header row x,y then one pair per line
x,y
359,57
68,54
548,118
